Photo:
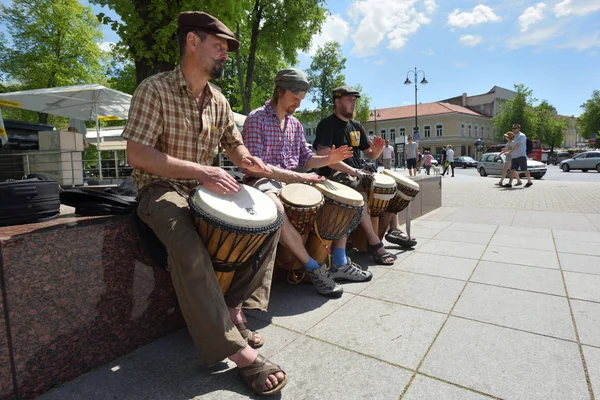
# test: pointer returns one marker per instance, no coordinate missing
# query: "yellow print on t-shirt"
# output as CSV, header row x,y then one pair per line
x,y
355,138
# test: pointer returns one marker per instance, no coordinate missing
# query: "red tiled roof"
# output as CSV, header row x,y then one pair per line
x,y
423,110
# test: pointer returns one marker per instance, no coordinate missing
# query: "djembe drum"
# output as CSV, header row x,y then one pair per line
x,y
407,190
338,217
233,227
301,203
379,195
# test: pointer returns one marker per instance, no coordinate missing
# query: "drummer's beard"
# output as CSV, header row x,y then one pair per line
x,y
218,69
348,113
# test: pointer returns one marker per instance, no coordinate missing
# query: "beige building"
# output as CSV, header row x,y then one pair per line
x,y
572,138
439,124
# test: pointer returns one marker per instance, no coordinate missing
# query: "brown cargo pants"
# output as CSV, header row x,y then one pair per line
x,y
205,309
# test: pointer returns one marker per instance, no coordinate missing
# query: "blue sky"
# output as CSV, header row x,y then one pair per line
x,y
553,47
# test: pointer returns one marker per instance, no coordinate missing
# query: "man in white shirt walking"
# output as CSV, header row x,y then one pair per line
x,y
449,160
410,155
387,155
519,156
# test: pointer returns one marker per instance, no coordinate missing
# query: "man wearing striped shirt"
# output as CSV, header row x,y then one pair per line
x,y
276,137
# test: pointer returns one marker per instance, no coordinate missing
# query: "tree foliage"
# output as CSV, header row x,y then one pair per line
x,y
363,105
589,120
517,110
550,129
53,43
271,34
326,73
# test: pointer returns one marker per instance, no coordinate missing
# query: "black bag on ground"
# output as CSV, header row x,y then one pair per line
x,y
33,199
96,202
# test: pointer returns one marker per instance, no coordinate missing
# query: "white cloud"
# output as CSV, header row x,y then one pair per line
x,y
391,20
106,46
460,64
335,28
584,42
576,7
429,52
480,15
531,16
380,62
534,38
470,40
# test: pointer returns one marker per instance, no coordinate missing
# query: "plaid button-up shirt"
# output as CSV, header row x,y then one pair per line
x,y
264,139
164,115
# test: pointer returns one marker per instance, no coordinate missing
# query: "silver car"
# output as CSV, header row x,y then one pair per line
x,y
493,163
583,161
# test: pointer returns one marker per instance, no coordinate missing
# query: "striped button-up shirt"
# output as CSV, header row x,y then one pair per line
x,y
164,115
264,139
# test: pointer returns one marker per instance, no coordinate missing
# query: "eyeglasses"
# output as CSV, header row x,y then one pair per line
x,y
515,127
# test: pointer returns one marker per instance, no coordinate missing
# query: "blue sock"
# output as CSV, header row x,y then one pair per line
x,y
311,265
338,257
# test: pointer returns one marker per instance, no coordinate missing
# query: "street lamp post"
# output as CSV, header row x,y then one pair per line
x,y
408,82
375,114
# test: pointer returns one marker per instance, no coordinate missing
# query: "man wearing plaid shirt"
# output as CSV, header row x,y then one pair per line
x,y
274,135
176,121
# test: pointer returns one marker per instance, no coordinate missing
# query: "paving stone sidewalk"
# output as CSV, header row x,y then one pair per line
x,y
500,299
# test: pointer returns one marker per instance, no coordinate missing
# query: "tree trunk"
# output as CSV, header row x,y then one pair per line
x,y
143,70
247,93
240,74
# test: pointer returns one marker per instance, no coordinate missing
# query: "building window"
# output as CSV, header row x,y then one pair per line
x,y
427,131
489,132
439,130
393,135
475,131
469,129
462,129
402,131
382,133
371,132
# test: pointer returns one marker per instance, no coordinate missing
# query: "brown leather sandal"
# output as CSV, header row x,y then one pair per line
x,y
256,375
380,258
249,336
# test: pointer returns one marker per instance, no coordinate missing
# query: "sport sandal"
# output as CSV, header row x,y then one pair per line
x,y
380,258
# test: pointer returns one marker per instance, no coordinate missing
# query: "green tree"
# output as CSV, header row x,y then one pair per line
x,y
549,127
588,123
325,72
54,43
270,38
363,105
517,110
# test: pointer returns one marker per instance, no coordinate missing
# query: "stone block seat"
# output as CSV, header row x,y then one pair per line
x,y
77,293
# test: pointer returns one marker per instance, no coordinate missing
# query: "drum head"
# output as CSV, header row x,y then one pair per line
x,y
340,193
247,208
402,180
301,195
383,181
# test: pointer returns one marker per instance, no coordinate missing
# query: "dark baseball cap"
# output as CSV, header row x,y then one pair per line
x,y
201,21
344,91
292,79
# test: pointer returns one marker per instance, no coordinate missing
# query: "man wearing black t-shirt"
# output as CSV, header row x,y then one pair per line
x,y
337,130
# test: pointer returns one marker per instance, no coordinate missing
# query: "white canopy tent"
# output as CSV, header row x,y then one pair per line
x,y
91,102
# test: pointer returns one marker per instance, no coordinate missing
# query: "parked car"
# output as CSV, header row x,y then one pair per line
x,y
465,161
493,163
556,158
583,161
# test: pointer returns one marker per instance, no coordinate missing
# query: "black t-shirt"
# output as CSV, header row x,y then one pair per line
x,y
334,131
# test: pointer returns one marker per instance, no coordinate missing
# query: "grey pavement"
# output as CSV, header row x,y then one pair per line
x,y
500,299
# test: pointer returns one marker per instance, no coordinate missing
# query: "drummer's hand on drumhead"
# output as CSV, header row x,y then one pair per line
x,y
255,164
339,154
311,177
219,181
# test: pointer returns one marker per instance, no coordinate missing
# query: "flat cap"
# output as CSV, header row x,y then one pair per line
x,y
345,91
201,21
292,79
